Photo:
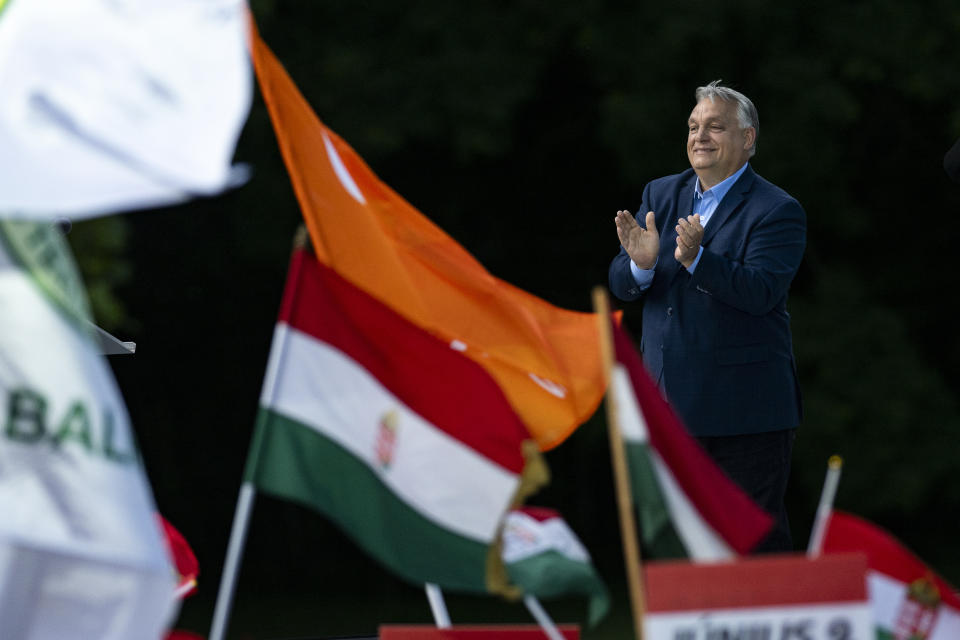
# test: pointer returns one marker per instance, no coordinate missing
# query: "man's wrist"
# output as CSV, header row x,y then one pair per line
x,y
691,265
644,265
643,277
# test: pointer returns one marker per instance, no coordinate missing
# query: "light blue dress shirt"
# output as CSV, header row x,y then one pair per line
x,y
704,203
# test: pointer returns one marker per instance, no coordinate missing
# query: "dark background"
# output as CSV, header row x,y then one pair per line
x,y
520,128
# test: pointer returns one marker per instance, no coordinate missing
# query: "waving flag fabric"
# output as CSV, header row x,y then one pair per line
x,y
546,359
909,600
110,106
81,554
403,441
687,507
545,558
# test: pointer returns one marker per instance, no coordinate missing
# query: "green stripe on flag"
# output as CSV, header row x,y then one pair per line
x,y
296,462
553,575
657,532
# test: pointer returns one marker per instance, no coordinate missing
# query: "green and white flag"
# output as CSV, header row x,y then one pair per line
x,y
545,558
81,554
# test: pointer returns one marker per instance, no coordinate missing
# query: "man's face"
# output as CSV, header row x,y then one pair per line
x,y
716,145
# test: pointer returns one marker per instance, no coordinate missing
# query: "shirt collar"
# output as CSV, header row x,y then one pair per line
x,y
720,189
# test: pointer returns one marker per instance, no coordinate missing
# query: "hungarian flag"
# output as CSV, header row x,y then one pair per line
x,y
909,600
687,507
545,558
405,443
81,554
546,359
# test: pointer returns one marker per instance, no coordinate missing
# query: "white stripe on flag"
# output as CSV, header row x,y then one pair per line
x,y
886,600
948,624
322,388
886,596
525,537
632,423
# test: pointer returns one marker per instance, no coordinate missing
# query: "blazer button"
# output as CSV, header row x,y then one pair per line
x,y
669,311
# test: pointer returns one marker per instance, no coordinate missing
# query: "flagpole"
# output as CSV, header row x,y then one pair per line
x,y
437,606
825,508
628,527
238,534
241,517
542,617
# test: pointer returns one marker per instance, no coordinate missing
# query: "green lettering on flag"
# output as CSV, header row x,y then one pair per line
x,y
26,415
109,433
75,426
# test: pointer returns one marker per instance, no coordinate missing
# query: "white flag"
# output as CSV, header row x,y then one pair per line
x,y
81,553
111,105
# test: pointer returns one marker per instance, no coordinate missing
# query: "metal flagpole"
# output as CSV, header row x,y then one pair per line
x,y
542,617
238,534
437,606
628,526
825,508
241,518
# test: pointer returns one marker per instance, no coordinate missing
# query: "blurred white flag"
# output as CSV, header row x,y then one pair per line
x,y
81,552
110,105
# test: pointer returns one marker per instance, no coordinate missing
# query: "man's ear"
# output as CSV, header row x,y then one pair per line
x,y
750,136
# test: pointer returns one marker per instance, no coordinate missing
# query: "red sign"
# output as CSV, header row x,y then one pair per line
x,y
474,632
786,596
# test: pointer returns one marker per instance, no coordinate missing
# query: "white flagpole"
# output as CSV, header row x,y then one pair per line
x,y
542,617
437,606
238,534
241,517
834,465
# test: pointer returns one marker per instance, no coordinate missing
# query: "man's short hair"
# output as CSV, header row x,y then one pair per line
x,y
747,114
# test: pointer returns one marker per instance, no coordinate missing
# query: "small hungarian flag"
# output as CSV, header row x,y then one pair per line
x,y
404,442
687,506
545,558
546,359
909,600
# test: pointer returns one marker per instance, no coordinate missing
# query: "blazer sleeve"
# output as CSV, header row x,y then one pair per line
x,y
758,282
621,280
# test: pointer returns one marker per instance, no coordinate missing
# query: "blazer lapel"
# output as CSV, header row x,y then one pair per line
x,y
668,235
729,204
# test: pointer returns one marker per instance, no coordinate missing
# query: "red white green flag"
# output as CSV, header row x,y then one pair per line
x,y
404,442
687,507
544,557
909,601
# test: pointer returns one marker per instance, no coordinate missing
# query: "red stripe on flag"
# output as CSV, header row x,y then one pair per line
x,y
540,514
758,581
440,384
885,553
725,507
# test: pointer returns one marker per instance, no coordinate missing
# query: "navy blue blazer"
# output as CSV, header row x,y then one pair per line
x,y
718,340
